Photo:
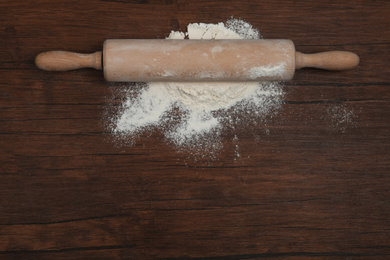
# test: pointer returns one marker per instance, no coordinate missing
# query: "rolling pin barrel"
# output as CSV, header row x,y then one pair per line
x,y
197,60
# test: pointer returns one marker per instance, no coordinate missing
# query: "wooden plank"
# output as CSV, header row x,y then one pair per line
x,y
311,182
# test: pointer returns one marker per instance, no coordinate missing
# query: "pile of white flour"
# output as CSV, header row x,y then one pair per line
x,y
192,116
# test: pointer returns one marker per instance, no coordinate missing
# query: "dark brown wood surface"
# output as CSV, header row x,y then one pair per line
x,y
314,187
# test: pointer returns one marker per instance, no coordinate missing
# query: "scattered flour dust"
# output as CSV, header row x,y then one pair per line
x,y
194,116
341,117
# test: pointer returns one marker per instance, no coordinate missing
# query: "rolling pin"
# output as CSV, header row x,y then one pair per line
x,y
139,60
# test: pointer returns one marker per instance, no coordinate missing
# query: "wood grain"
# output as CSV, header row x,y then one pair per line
x,y
307,185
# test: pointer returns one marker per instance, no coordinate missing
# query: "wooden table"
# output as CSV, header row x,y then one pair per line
x,y
314,187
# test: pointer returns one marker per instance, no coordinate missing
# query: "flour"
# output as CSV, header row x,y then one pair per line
x,y
340,116
262,71
192,115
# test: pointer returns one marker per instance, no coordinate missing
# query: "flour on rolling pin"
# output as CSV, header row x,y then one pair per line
x,y
198,60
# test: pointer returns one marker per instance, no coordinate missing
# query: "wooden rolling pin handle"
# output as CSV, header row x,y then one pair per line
x,y
330,60
64,60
